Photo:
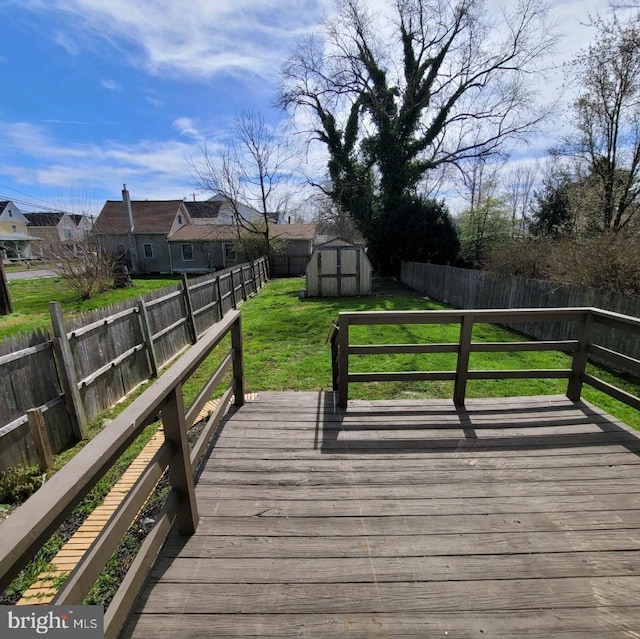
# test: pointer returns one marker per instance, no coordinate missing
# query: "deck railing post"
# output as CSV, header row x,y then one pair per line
x,y
238,363
580,358
462,367
180,474
334,360
343,361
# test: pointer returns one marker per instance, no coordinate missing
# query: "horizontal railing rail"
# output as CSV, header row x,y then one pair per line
x,y
581,348
33,523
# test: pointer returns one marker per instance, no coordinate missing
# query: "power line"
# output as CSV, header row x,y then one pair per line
x,y
32,204
4,186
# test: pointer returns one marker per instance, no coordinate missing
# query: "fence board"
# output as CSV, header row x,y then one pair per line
x,y
109,353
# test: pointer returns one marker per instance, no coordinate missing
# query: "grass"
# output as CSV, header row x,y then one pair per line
x,y
285,349
31,299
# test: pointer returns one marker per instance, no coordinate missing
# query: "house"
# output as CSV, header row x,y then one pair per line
x,y
203,248
299,241
58,229
198,248
221,209
15,239
138,229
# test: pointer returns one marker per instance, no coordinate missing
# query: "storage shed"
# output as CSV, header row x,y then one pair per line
x,y
338,268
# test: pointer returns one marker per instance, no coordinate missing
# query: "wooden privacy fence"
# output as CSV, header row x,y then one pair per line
x,y
35,521
466,288
92,362
581,348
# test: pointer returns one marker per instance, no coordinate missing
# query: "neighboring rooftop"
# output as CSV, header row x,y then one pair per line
x,y
149,216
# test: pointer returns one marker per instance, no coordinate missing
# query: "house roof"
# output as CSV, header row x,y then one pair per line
x,y
43,218
200,210
149,216
76,217
229,232
205,233
18,237
293,231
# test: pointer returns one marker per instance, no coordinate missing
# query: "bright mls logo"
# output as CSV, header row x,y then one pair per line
x,y
83,622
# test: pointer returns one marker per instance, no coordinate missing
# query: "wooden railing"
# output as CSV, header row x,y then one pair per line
x,y
37,519
580,348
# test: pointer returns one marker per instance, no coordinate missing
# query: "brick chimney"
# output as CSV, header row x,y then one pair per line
x,y
132,248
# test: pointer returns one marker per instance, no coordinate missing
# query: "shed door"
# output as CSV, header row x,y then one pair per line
x,y
338,271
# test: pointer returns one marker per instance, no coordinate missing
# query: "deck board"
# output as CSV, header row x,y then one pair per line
x,y
514,517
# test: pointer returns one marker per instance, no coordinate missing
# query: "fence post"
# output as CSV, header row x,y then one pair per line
x,y
189,306
253,276
462,367
145,326
343,361
6,307
244,285
580,358
219,293
40,438
180,471
238,362
67,371
233,289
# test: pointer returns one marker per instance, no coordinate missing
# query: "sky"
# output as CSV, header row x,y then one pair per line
x,y
101,93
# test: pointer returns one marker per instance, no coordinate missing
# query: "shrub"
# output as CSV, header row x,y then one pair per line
x,y
19,483
607,261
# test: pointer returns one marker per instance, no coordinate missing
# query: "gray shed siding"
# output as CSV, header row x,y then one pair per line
x,y
339,268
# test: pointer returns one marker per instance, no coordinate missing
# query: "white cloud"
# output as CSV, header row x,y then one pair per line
x,y
186,126
154,169
110,85
201,39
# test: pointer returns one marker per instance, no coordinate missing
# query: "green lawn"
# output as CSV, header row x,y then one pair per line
x,y
285,349
31,299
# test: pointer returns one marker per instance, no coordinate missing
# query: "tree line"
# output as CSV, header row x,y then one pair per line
x,y
406,103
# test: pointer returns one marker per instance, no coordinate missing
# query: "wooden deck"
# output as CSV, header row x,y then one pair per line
x,y
516,517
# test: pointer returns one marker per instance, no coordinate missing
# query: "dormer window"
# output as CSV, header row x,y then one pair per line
x,y
179,219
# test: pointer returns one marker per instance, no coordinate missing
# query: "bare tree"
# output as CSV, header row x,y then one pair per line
x,y
483,224
393,100
607,119
249,169
85,267
518,194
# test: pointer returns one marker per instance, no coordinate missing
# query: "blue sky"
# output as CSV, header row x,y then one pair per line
x,y
98,93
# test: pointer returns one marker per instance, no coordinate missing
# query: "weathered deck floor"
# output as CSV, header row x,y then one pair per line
x,y
517,517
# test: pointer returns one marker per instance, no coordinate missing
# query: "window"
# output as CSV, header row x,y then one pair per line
x,y
10,213
120,250
187,252
69,233
229,251
14,228
179,219
148,250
